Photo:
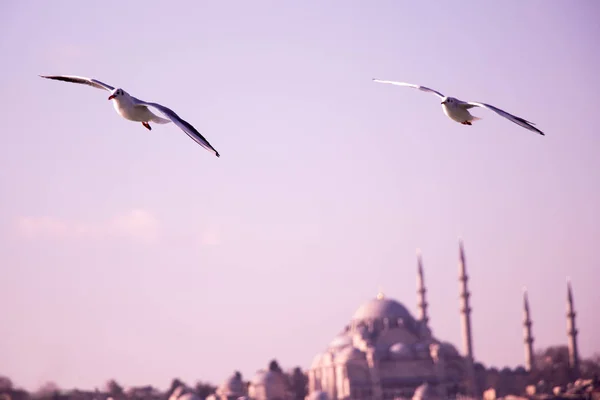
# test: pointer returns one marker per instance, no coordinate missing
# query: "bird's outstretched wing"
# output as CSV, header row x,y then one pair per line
x,y
423,88
184,125
517,120
81,80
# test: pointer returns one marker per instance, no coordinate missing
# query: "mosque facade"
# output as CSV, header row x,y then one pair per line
x,y
387,353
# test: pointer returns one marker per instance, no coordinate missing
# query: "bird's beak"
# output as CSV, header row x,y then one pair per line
x,y
112,96
443,102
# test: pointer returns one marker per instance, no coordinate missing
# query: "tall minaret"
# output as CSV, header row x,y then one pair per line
x,y
572,333
527,333
421,291
465,311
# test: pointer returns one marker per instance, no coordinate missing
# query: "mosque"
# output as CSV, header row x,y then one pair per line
x,y
385,353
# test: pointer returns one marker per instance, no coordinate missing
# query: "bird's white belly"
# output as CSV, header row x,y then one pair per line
x,y
133,113
457,114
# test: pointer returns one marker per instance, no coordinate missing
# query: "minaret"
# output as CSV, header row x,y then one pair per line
x,y
572,333
465,311
529,365
421,291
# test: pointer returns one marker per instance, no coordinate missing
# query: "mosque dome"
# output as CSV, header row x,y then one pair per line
x,y
349,354
233,386
449,349
272,383
264,377
380,308
340,341
401,350
421,349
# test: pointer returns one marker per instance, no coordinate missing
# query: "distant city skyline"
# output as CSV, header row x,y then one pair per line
x,y
137,255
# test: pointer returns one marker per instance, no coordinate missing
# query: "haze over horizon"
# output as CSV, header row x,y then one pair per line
x,y
137,255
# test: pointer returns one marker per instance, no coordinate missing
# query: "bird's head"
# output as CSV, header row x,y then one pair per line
x,y
449,101
116,93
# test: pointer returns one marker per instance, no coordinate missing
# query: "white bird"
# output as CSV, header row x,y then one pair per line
x,y
457,110
137,110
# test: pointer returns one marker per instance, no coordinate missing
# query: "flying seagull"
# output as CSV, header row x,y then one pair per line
x,y
137,110
458,110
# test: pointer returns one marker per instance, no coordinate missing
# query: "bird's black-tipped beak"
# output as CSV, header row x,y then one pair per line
x,y
112,96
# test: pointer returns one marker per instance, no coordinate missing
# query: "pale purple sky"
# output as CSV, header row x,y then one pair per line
x,y
138,255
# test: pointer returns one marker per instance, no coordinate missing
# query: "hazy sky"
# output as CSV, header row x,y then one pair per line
x,y
138,255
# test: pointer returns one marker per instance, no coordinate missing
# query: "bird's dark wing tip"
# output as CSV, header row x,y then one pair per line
x,y
537,130
217,154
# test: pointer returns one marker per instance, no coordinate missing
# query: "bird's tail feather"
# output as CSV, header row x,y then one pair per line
x,y
475,118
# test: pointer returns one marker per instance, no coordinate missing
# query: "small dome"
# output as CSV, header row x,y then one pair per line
x,y
401,350
233,386
339,341
349,354
380,308
266,377
271,382
479,367
263,377
449,349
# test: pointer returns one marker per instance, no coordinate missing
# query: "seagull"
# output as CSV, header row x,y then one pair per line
x,y
137,110
458,110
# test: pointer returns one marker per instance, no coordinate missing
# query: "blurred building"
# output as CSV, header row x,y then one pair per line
x,y
233,388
